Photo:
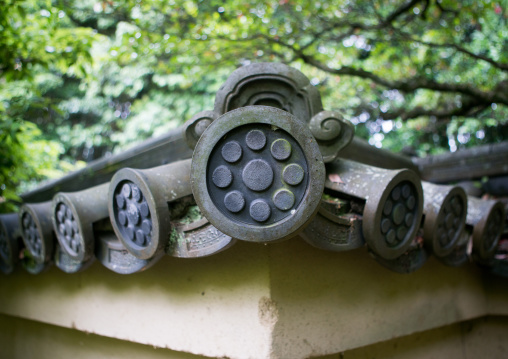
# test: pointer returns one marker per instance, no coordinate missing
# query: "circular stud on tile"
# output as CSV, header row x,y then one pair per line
x,y
293,174
222,177
284,199
281,149
259,210
276,183
231,151
257,175
255,140
234,201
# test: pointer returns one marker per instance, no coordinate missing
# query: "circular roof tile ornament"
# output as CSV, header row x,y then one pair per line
x,y
399,214
9,247
132,211
37,230
487,217
73,216
139,203
445,210
272,189
393,203
33,238
67,230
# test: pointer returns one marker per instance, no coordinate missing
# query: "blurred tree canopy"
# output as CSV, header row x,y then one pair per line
x,y
81,79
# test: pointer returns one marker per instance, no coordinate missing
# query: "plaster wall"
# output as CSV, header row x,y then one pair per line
x,y
204,306
286,300
331,302
477,338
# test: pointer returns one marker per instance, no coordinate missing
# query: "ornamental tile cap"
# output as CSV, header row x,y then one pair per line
x,y
282,87
257,174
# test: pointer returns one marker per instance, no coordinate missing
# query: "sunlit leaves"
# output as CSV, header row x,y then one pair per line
x,y
38,40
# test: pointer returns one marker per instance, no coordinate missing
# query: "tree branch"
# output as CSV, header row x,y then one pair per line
x,y
470,108
443,10
401,10
426,6
499,65
361,26
408,84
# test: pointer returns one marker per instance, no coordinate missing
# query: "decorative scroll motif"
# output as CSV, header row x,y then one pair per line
x,y
332,132
269,84
194,128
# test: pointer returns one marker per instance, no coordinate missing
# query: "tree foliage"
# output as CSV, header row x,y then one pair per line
x,y
81,79
37,42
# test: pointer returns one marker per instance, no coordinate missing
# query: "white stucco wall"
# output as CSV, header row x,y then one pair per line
x,y
285,300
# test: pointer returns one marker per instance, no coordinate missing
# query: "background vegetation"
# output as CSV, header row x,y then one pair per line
x,y
82,79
